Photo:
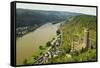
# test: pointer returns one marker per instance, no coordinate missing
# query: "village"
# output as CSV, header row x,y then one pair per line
x,y
77,46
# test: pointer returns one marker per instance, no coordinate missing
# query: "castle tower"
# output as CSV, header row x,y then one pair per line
x,y
86,38
72,47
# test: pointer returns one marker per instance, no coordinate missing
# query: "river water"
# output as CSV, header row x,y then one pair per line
x,y
29,43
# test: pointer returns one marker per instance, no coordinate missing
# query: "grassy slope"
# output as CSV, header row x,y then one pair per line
x,y
75,26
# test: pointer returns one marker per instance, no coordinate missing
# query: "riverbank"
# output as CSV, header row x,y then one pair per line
x,y
29,44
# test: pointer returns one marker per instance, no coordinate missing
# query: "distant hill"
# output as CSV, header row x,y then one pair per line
x,y
29,20
26,17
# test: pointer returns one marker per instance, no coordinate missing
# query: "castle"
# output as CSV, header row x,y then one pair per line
x,y
81,43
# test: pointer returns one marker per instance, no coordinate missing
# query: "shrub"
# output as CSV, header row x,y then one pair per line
x,y
48,44
25,61
41,47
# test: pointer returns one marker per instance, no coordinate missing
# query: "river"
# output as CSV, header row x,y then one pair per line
x,y
29,43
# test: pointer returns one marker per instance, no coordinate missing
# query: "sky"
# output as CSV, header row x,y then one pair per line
x,y
76,9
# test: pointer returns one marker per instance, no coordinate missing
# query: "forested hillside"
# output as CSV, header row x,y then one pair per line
x,y
29,20
72,47
26,17
76,25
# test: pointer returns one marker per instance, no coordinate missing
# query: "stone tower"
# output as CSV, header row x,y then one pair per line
x,y
86,38
72,47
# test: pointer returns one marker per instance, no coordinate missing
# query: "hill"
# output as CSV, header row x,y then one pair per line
x,y
73,37
29,20
30,17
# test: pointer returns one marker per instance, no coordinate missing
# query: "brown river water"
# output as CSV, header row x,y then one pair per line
x,y
29,43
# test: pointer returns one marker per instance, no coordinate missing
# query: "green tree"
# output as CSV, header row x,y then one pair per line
x,y
48,44
41,47
25,61
58,32
35,57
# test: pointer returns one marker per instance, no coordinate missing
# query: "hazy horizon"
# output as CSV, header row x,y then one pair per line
x,y
74,9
